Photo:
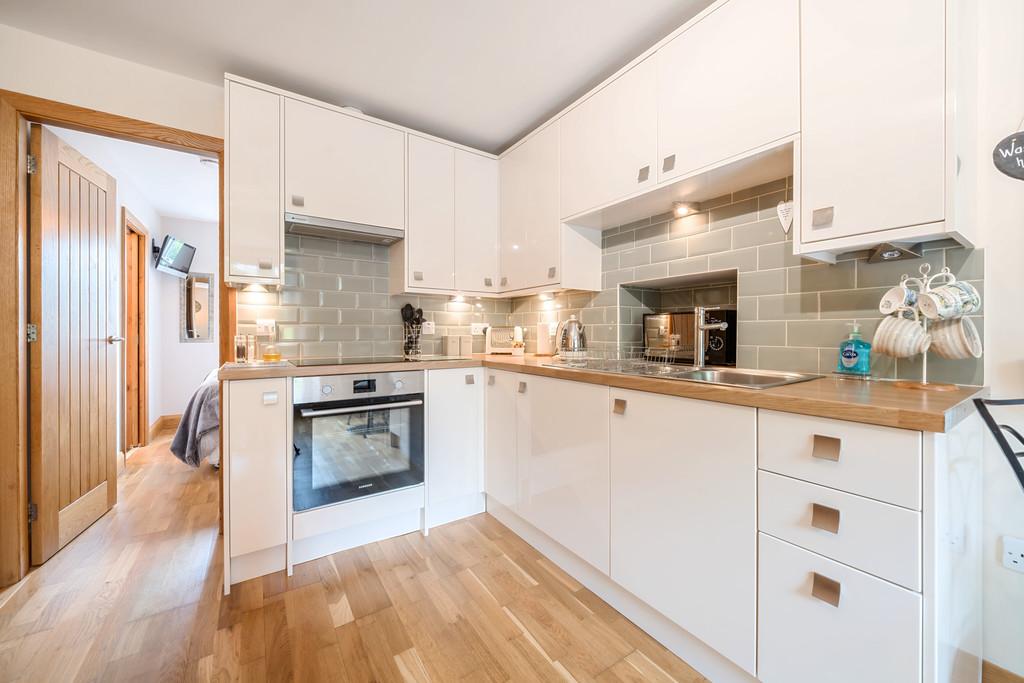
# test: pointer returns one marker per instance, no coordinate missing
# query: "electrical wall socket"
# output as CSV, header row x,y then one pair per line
x,y
477,328
1013,553
428,327
266,327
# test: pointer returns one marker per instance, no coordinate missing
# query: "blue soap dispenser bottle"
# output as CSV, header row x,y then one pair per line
x,y
854,355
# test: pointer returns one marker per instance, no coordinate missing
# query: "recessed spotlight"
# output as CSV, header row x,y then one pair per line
x,y
685,208
254,287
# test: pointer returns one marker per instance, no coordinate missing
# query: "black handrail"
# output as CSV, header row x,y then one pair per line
x,y
998,430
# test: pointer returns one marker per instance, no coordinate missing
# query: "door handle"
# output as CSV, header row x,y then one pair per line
x,y
822,217
825,589
826,448
298,200
522,387
487,282
470,379
619,407
668,163
115,339
417,275
825,518
552,271
265,265
490,380
643,174
504,281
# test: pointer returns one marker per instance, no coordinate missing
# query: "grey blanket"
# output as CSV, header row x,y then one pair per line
x,y
201,416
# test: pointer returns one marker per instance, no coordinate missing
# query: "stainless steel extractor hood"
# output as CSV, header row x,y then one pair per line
x,y
298,224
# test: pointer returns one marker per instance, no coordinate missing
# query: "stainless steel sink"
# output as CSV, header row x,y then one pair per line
x,y
747,379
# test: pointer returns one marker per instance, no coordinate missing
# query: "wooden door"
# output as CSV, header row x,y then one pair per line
x,y
74,292
136,413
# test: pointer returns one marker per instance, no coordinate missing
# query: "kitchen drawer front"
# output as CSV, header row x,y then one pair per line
x,y
819,620
878,538
877,462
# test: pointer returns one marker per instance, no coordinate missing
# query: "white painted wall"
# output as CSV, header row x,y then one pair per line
x,y
184,365
40,66
1000,213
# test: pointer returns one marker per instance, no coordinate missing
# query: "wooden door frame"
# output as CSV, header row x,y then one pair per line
x,y
15,109
130,223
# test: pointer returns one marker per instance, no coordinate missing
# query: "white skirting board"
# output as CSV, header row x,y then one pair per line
x,y
259,563
321,545
445,511
693,651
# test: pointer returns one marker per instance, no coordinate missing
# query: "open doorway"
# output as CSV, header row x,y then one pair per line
x,y
135,321
37,349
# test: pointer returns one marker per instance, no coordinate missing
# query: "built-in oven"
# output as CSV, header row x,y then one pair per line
x,y
671,336
355,436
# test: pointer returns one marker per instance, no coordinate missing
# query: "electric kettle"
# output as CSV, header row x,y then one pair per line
x,y
570,337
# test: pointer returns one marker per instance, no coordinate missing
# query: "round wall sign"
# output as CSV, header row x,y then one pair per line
x,y
1008,156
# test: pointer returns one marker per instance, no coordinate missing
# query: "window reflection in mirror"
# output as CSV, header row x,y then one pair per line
x,y
197,307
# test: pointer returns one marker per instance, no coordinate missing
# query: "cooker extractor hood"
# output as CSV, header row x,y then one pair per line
x,y
299,224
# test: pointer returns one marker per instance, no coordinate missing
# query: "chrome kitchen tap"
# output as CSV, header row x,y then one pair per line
x,y
700,326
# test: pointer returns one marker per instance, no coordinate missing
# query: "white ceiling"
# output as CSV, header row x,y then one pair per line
x,y
175,184
480,72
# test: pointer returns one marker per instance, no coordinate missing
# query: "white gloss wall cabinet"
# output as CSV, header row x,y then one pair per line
x,y
684,514
476,223
823,621
342,167
454,444
256,476
254,239
743,57
500,467
608,142
874,125
562,461
430,235
530,246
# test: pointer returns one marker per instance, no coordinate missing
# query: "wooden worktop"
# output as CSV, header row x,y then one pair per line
x,y
878,402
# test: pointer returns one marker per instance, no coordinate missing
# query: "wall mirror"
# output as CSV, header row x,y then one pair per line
x,y
197,308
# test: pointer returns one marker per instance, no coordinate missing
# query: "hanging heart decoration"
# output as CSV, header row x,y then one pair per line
x,y
785,211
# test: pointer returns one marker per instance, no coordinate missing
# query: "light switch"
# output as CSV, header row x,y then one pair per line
x,y
270,398
477,328
428,327
266,327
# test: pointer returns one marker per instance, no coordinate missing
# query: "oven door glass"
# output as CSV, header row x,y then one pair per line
x,y
359,451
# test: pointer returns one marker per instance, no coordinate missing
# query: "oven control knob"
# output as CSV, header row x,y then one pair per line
x,y
327,390
399,383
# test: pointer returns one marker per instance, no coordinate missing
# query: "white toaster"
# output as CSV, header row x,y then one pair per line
x,y
498,339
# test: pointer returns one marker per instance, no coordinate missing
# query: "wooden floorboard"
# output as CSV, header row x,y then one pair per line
x,y
137,596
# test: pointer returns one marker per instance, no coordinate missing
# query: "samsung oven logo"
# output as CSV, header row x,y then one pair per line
x,y
365,486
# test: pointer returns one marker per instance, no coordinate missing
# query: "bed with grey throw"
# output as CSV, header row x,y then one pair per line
x,y
198,434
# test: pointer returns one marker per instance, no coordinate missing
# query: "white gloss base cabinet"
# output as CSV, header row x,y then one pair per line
x,y
254,234
255,472
684,513
500,467
454,444
869,630
562,463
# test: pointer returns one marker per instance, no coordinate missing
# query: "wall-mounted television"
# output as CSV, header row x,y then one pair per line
x,y
174,257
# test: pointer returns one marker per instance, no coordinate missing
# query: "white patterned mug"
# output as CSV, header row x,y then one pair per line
x,y
897,297
950,301
956,339
900,337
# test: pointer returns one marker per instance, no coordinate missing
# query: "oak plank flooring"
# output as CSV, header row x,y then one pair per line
x,y
137,596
